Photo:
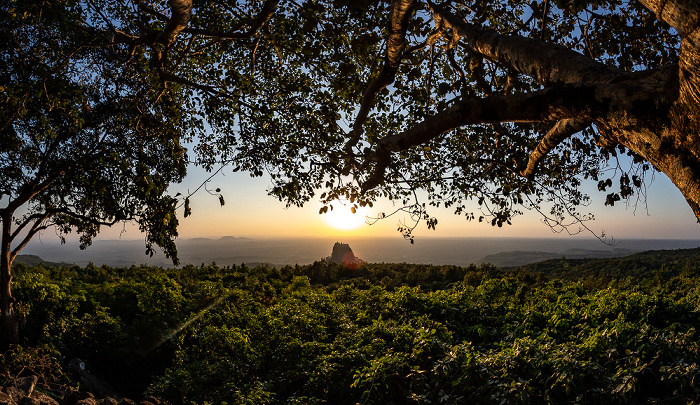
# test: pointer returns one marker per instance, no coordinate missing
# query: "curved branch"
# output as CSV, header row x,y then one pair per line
x,y
584,102
545,62
683,15
181,15
401,11
561,131
36,227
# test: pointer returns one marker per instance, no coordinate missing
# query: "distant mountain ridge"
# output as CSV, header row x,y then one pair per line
x,y
300,250
519,257
34,260
643,265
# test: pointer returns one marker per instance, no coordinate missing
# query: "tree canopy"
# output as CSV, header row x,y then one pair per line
x,y
511,104
85,141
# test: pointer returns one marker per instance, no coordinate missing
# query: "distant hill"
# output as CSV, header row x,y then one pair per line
x,y
34,260
519,257
650,264
233,238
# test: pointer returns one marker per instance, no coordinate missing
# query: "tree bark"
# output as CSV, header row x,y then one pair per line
x,y
181,14
9,324
547,63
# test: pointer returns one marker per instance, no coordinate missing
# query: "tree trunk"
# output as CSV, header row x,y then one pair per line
x,y
667,137
9,324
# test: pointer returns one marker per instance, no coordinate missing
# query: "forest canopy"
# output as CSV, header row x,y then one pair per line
x,y
509,104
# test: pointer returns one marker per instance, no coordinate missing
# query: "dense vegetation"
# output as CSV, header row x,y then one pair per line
x,y
386,333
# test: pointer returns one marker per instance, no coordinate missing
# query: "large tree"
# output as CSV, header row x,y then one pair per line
x,y
84,142
510,103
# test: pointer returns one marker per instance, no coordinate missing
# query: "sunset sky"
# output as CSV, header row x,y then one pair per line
x,y
249,211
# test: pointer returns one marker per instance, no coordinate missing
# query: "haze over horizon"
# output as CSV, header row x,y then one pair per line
x,y
250,212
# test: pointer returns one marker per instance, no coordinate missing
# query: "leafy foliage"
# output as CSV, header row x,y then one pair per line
x,y
275,87
299,85
86,141
384,333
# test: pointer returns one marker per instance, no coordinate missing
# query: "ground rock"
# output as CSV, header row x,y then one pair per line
x,y
15,393
6,399
29,401
25,384
43,398
73,397
108,401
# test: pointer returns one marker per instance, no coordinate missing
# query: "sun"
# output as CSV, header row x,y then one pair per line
x,y
342,216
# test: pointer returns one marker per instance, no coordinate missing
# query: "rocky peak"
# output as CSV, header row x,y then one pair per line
x,y
343,254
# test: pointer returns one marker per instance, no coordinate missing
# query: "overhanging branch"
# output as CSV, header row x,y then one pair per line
x,y
401,11
561,131
545,62
181,14
577,104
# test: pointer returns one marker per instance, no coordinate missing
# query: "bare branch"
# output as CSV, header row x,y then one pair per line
x,y
561,131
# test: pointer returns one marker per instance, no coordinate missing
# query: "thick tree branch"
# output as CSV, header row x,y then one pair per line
x,y
28,192
547,63
36,227
181,14
683,15
584,102
26,221
561,131
401,11
87,218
